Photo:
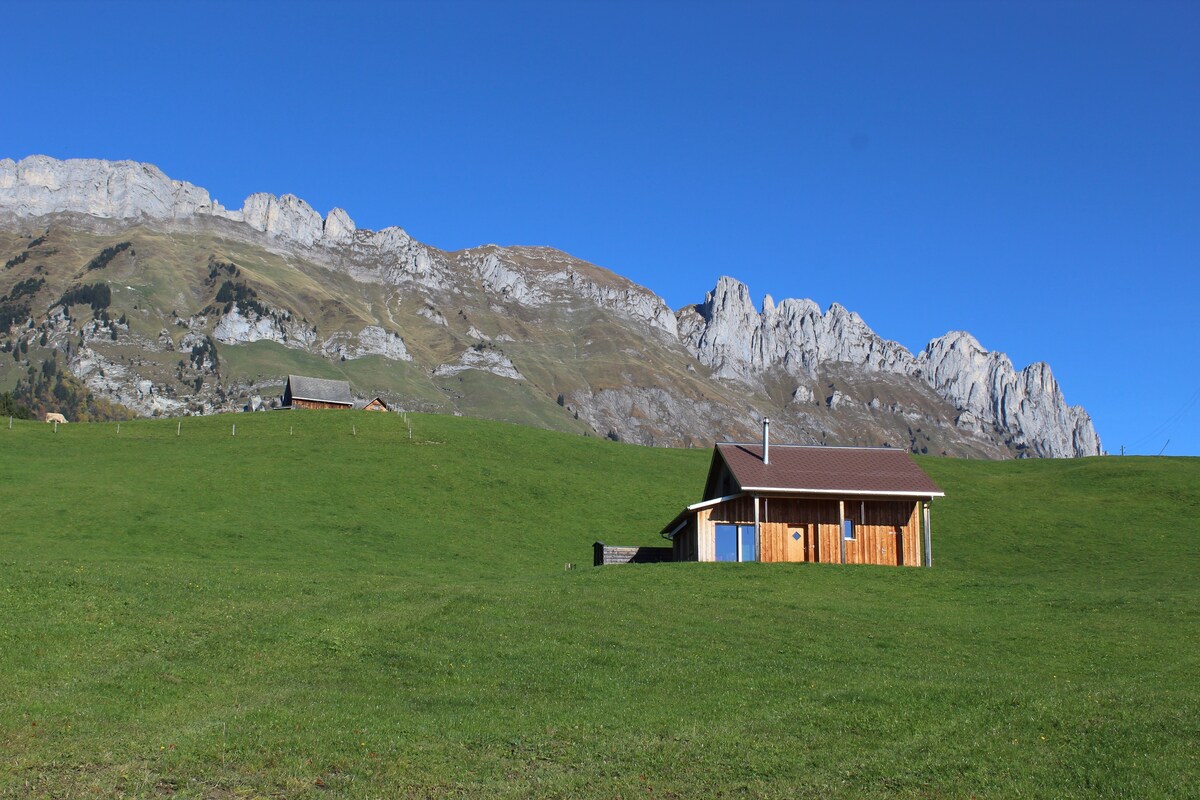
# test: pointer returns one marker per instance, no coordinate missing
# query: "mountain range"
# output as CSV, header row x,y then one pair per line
x,y
157,297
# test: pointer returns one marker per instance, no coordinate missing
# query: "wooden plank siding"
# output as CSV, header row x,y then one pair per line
x,y
808,529
684,542
890,532
885,532
706,536
297,403
604,554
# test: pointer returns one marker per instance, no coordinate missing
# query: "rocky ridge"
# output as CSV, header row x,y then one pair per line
x,y
727,333
790,343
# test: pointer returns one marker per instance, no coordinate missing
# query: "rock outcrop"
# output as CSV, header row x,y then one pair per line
x,y
370,341
236,327
1027,407
483,359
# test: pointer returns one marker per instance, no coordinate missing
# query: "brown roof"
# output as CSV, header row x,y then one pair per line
x,y
849,470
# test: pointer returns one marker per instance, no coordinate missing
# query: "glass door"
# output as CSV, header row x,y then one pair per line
x,y
736,543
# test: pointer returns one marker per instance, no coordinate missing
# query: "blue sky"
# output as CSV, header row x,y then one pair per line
x,y
1029,172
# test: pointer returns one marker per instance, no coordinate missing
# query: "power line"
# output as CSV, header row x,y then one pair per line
x,y
1178,415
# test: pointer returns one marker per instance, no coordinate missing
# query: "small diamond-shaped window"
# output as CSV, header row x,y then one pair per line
x,y
796,536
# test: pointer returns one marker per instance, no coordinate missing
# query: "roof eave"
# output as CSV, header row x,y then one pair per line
x,y
856,492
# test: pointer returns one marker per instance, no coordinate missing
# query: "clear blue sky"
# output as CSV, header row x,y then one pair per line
x,y
1029,172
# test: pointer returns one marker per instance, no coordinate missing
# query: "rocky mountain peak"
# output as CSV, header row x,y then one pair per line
x,y
991,395
795,338
737,341
40,185
338,228
287,216
768,306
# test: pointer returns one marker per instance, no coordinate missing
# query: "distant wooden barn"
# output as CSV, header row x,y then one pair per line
x,y
841,505
376,405
302,392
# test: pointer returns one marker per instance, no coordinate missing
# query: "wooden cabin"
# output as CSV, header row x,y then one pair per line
x,y
839,505
302,392
376,405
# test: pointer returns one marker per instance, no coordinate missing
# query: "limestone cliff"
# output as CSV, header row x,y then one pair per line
x,y
1026,409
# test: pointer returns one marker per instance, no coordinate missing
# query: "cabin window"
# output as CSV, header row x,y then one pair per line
x,y
736,543
848,530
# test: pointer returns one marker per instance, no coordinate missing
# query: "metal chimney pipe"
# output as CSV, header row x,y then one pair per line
x,y
766,441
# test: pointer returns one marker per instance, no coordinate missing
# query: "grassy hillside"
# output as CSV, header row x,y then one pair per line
x,y
296,610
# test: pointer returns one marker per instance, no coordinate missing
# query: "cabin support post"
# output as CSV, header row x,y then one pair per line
x,y
928,546
757,535
841,532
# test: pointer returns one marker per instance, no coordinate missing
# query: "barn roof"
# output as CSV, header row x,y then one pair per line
x,y
803,469
320,390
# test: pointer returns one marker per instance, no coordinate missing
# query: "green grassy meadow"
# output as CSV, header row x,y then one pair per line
x,y
296,611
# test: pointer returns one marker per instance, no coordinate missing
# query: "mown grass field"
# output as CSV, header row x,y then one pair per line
x,y
296,611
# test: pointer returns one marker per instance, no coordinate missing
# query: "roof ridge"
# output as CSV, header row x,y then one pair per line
x,y
821,446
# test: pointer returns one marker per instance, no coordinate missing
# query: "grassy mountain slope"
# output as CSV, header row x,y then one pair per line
x,y
612,371
322,603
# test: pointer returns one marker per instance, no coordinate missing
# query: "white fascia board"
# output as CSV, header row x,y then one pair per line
x,y
714,501
777,490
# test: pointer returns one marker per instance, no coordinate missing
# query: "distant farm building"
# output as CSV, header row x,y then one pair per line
x,y
376,405
53,417
840,505
302,392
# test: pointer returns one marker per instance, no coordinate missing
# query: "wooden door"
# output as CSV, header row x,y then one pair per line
x,y
801,541
795,546
886,543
